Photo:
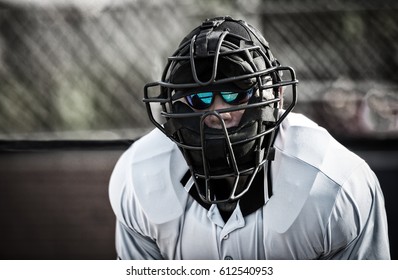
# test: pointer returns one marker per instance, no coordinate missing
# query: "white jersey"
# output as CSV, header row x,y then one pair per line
x,y
326,203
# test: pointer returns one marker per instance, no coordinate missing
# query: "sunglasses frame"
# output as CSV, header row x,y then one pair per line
x,y
237,101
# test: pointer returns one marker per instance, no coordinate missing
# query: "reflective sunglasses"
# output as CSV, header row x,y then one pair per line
x,y
203,99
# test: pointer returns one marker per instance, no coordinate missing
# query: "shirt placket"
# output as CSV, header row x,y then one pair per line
x,y
226,234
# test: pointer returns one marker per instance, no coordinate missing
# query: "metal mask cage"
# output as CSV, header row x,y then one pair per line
x,y
162,93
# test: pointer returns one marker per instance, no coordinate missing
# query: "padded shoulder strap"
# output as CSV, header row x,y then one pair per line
x,y
157,168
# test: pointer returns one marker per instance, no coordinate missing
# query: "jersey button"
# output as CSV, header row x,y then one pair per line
x,y
228,258
225,236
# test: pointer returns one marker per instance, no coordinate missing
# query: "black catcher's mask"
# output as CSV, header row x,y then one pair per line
x,y
222,53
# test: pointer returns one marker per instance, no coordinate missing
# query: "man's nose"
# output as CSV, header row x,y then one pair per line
x,y
218,103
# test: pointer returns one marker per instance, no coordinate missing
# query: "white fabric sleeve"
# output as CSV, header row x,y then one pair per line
x,y
358,223
130,243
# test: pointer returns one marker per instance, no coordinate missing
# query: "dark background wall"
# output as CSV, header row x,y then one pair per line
x,y
54,204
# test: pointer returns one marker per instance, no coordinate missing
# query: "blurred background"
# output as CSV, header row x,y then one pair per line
x,y
72,74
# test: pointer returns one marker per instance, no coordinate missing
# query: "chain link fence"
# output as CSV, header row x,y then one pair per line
x,y
75,71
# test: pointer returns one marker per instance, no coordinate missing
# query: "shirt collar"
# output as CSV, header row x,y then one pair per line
x,y
249,203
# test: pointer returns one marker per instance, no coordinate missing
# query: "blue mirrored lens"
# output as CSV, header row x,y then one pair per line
x,y
203,100
206,97
230,96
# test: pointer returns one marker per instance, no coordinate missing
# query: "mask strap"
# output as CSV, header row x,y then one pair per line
x,y
207,42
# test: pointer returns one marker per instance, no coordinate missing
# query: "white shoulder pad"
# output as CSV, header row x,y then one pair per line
x,y
157,167
307,156
303,139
